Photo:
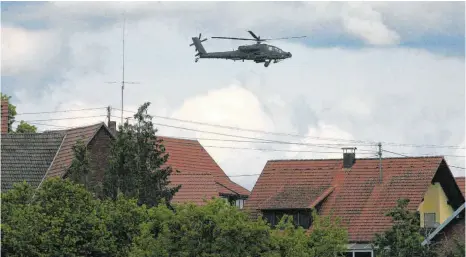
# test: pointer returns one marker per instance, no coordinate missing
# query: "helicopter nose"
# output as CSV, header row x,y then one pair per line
x,y
289,54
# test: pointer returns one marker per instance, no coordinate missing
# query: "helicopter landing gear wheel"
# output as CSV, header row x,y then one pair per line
x,y
196,60
266,64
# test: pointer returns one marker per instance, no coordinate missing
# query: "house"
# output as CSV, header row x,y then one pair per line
x,y
359,191
461,185
37,156
200,176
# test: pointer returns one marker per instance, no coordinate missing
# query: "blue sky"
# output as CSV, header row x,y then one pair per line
x,y
377,71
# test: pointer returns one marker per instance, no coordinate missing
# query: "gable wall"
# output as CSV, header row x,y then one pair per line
x,y
435,201
99,151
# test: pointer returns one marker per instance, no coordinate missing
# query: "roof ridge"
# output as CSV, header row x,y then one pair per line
x,y
374,158
177,138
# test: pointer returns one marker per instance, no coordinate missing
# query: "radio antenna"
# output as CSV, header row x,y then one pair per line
x,y
123,82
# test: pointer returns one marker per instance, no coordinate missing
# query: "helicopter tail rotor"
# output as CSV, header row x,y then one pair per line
x,y
199,48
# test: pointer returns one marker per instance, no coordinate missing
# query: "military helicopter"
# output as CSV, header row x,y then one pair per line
x,y
258,52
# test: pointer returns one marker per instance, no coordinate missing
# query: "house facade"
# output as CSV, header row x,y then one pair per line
x,y
33,157
359,191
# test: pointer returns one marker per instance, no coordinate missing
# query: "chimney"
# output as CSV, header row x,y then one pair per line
x,y
112,127
4,115
349,157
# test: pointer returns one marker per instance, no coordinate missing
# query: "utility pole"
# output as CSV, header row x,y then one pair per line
x,y
109,114
123,82
380,161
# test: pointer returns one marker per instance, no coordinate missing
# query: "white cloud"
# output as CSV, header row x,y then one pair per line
x,y
388,94
26,51
361,20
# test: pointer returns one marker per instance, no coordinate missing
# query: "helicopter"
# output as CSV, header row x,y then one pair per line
x,y
258,52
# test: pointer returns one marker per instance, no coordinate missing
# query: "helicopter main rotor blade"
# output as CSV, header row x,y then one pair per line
x,y
235,38
280,38
254,35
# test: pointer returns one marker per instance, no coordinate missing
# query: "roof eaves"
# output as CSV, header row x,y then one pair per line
x,y
53,160
234,192
443,225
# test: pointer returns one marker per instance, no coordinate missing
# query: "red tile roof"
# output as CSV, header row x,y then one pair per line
x,y
191,159
196,187
65,155
461,185
353,194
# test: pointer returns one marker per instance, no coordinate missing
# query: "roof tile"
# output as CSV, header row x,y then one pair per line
x,y
357,197
27,157
189,157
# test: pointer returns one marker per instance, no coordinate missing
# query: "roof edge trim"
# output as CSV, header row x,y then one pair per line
x,y
53,160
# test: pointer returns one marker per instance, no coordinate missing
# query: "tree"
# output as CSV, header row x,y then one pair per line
x,y
405,237
137,163
289,240
214,230
327,238
23,127
58,219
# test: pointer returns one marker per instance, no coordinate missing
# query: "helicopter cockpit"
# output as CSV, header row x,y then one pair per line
x,y
275,49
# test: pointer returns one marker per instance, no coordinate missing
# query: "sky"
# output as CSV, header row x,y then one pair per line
x,y
367,72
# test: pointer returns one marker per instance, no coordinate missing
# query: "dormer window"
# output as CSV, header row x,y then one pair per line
x,y
301,218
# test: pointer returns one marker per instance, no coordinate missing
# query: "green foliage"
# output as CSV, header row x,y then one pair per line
x,y
24,127
326,239
216,229
404,238
59,219
63,219
136,163
289,241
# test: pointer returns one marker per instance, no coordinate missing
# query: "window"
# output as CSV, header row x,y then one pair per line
x,y
429,220
239,203
301,218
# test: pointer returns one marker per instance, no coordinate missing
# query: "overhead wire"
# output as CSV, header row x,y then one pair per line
x,y
360,142
404,155
369,143
61,111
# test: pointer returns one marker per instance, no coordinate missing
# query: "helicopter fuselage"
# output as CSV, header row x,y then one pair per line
x,y
256,52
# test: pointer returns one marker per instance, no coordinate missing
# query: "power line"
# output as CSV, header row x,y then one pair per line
x,y
71,110
403,155
67,118
253,138
256,131
368,143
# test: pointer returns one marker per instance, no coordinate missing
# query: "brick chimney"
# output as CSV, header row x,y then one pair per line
x,y
112,127
4,115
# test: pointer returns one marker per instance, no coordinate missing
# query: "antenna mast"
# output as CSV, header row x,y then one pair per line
x,y
123,82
